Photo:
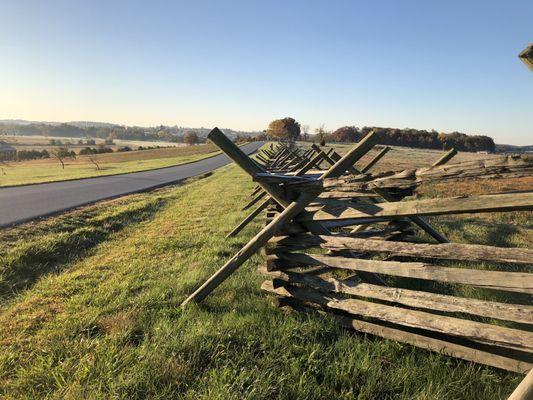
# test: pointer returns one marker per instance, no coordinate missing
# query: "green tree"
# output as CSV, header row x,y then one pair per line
x,y
284,129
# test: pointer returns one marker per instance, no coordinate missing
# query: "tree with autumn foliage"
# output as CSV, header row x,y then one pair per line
x,y
346,134
284,129
190,138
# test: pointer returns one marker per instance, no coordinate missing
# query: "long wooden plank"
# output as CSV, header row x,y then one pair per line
x,y
454,205
350,158
262,158
425,342
299,165
500,167
258,197
443,251
374,161
412,298
499,280
445,158
302,240
524,391
346,195
472,330
384,194
423,224
332,157
336,170
417,219
249,218
437,345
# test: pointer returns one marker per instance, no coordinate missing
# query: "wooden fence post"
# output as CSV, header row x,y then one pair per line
x,y
373,162
251,247
524,391
445,158
291,208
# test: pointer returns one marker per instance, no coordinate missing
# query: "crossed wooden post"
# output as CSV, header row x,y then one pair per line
x,y
293,207
421,222
331,157
250,217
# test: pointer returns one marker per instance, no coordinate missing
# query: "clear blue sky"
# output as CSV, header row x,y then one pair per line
x,y
449,65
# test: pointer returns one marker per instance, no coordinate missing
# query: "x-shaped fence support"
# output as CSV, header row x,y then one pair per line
x,y
292,207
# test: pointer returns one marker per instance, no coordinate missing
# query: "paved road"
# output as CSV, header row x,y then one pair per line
x,y
23,203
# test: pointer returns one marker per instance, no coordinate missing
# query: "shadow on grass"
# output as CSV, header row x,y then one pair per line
x,y
29,252
480,232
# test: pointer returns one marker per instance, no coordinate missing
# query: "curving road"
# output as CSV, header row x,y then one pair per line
x,y
23,203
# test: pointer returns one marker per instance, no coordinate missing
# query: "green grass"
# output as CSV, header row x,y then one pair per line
x,y
51,171
90,309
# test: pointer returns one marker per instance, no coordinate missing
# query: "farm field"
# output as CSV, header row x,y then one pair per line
x,y
50,170
399,158
43,142
104,321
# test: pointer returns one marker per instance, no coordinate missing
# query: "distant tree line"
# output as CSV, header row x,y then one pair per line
x,y
102,132
23,155
95,150
290,130
416,138
510,148
174,134
89,142
283,129
262,137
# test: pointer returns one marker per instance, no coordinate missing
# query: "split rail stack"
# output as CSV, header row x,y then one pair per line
x,y
358,246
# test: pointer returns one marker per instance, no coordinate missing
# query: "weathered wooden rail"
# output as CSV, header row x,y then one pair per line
x,y
344,241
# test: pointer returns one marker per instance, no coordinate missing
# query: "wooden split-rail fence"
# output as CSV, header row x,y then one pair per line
x,y
357,245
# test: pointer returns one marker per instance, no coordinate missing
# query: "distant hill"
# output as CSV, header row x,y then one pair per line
x,y
511,148
26,122
79,124
87,124
105,130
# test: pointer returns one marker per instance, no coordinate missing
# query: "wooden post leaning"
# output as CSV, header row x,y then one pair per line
x,y
445,158
292,208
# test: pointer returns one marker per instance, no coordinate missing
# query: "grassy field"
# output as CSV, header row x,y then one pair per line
x,y
399,158
39,142
49,170
90,309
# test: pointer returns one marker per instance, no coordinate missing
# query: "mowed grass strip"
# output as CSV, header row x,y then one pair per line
x,y
50,170
105,322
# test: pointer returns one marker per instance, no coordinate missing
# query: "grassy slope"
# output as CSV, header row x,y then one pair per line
x,y
96,314
49,170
